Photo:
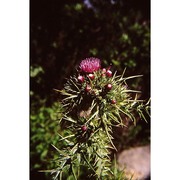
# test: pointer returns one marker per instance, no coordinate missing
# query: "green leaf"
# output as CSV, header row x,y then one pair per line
x,y
73,172
89,164
109,136
60,152
69,119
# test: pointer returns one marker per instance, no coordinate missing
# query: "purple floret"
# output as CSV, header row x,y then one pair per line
x,y
90,65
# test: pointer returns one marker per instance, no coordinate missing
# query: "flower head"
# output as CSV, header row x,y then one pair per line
x,y
90,65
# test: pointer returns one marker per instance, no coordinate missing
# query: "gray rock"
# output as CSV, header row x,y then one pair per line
x,y
135,162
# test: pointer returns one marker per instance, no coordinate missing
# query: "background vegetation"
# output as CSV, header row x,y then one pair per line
x,y
62,33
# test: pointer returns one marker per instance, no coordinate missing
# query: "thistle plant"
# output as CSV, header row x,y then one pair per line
x,y
94,100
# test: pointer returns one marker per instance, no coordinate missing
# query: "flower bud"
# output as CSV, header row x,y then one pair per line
x,y
109,73
113,101
80,78
109,86
104,70
84,128
88,88
91,76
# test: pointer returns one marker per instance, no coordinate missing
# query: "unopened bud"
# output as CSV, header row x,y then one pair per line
x,y
88,88
109,86
91,76
104,70
113,101
84,128
81,79
109,73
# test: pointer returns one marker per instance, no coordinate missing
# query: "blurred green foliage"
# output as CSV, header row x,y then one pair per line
x,y
65,32
43,127
43,133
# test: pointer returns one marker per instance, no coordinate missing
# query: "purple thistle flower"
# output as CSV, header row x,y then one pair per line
x,y
90,65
